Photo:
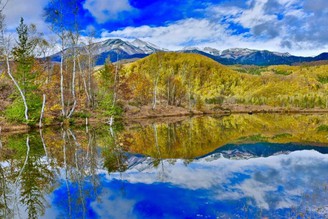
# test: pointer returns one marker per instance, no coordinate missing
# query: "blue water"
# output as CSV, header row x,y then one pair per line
x,y
247,181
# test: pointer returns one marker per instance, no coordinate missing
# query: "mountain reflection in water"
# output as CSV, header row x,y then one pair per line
x,y
231,167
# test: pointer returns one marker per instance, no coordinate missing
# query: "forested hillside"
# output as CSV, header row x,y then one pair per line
x,y
193,80
188,81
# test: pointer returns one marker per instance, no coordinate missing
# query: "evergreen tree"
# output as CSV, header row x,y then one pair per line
x,y
26,75
23,55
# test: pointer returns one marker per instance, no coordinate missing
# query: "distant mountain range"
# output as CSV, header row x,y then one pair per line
x,y
117,49
253,57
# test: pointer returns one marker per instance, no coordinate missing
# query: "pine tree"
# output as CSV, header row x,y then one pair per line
x,y
23,55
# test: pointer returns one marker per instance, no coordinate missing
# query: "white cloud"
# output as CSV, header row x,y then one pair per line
x,y
276,25
255,15
31,11
264,177
175,35
105,10
202,33
113,206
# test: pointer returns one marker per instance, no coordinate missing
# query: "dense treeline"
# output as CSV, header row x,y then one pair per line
x,y
192,81
178,79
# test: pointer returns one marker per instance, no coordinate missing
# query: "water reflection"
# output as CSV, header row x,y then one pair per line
x,y
237,166
198,136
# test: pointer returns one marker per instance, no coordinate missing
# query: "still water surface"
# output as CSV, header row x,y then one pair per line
x,y
239,166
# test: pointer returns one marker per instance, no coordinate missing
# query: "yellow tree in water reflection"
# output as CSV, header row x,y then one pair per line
x,y
34,165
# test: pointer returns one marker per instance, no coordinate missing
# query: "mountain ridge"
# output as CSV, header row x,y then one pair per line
x,y
118,49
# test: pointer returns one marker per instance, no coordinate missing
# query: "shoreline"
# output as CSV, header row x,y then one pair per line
x,y
162,116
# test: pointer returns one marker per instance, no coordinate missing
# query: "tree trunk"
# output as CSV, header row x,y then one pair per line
x,y
62,81
84,82
26,159
73,84
155,94
42,110
18,88
90,71
115,83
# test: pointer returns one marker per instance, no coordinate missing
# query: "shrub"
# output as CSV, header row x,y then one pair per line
x,y
16,111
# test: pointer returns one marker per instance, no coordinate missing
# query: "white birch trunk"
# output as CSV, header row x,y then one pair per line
x,y
155,94
73,84
90,71
17,86
62,80
5,47
42,110
84,82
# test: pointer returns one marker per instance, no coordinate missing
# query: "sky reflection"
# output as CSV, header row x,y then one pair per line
x,y
283,185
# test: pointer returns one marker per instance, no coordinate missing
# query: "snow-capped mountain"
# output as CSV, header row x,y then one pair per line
x,y
117,49
119,46
135,47
236,53
146,47
246,56
212,51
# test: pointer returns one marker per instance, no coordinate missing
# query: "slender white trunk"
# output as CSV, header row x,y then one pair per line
x,y
18,88
89,77
42,110
73,84
111,121
25,162
66,177
5,47
155,94
43,144
84,82
62,81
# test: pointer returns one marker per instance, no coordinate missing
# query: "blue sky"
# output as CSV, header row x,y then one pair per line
x,y
296,26
273,185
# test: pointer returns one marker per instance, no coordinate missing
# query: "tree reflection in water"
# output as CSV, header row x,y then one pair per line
x,y
65,167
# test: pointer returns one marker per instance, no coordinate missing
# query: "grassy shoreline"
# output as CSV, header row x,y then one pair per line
x,y
161,114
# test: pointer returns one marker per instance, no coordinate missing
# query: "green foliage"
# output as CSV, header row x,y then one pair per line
x,y
215,100
323,79
252,70
323,128
282,135
254,138
281,72
82,114
113,111
15,112
26,77
23,55
105,95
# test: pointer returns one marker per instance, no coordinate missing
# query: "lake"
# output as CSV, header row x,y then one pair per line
x,y
237,166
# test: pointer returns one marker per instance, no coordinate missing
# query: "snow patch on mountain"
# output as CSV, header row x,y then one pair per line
x,y
236,53
212,51
118,45
146,47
